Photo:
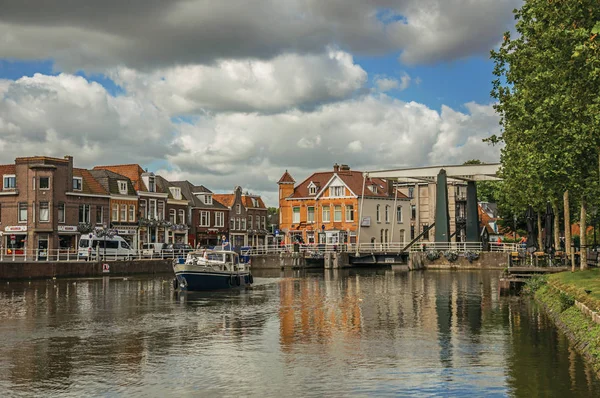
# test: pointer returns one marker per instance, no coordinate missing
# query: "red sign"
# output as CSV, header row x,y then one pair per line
x,y
105,268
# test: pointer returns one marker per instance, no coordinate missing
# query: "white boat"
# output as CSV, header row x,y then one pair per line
x,y
211,270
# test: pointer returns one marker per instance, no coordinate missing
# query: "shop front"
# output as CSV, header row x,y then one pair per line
x,y
128,233
177,233
212,237
68,238
14,240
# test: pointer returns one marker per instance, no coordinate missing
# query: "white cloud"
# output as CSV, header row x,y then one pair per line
x,y
66,114
151,34
284,82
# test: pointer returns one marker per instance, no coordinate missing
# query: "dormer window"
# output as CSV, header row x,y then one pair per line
x,y
312,189
373,188
123,187
176,192
254,202
10,181
208,199
77,183
151,184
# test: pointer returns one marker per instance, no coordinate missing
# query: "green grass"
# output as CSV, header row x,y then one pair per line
x,y
576,284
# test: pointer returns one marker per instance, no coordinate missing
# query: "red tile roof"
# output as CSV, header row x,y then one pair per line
x,y
131,171
286,178
90,184
7,169
247,200
354,181
226,199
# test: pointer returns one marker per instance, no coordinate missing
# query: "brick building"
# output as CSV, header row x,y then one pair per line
x,y
46,203
247,218
123,204
177,212
208,218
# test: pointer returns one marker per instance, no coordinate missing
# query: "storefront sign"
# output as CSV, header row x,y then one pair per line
x,y
67,228
366,222
16,228
125,231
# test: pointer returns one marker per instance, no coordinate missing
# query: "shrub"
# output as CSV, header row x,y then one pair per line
x,y
471,256
451,255
566,301
534,284
432,255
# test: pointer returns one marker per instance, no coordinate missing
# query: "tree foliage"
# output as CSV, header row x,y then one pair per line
x,y
546,87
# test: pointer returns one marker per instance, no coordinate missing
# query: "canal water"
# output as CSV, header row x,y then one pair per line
x,y
338,333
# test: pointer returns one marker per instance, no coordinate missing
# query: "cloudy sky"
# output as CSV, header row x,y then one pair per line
x,y
227,93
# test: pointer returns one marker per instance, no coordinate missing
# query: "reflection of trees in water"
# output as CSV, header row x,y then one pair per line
x,y
533,335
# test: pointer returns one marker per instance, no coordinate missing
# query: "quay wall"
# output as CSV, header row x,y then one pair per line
x,y
77,269
279,261
486,260
579,323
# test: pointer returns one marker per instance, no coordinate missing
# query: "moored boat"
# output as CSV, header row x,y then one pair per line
x,y
211,270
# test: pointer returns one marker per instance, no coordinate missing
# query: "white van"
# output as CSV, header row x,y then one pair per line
x,y
115,247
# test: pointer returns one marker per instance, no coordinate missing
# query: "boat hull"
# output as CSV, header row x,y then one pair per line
x,y
205,280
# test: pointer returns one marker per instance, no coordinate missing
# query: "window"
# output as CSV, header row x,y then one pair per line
x,y
152,209
243,224
115,213
44,182
84,214
250,221
238,209
411,191
143,208
44,212
10,182
61,212
349,213
204,219
123,212
312,189
310,214
151,184
0,213
264,222
99,215
77,183
232,224
33,183
161,210
413,212
238,224
412,232
326,214
122,187
295,215
399,214
337,213
219,219
22,212
182,217
378,214
172,216
176,192
426,234
387,213
336,191
257,222
131,213
208,199
373,188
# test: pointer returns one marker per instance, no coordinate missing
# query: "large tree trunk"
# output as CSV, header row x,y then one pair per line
x,y
555,209
568,230
539,230
582,237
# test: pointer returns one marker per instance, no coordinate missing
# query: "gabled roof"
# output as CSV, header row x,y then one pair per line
x,y
132,171
286,178
352,179
110,181
247,201
226,199
89,184
187,191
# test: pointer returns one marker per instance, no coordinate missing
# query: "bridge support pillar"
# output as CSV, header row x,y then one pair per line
x,y
472,229
442,217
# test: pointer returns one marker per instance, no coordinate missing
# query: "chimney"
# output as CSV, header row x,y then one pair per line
x,y
69,182
336,168
345,167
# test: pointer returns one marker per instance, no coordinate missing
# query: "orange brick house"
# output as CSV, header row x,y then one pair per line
x,y
325,208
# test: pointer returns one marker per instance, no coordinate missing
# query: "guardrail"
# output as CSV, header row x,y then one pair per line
x,y
26,255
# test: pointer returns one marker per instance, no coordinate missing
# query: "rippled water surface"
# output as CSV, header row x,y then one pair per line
x,y
295,334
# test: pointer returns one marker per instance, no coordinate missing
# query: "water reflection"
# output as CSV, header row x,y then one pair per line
x,y
294,333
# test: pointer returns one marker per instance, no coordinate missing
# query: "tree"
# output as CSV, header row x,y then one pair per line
x,y
546,86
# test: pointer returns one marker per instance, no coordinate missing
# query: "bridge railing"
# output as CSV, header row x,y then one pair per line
x,y
460,247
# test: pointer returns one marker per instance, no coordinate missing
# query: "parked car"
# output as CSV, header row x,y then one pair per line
x,y
115,247
176,249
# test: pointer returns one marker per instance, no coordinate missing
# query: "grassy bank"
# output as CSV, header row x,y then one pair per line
x,y
584,286
582,331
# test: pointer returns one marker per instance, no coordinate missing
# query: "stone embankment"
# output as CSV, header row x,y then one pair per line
x,y
485,260
79,269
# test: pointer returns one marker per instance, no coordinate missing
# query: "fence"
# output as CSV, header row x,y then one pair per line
x,y
26,255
